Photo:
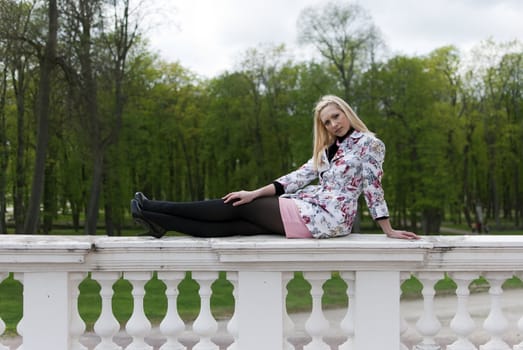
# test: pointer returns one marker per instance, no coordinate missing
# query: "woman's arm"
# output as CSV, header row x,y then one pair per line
x,y
372,172
392,233
299,178
243,197
290,183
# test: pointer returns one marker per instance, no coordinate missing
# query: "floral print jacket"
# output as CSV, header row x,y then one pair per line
x,y
329,207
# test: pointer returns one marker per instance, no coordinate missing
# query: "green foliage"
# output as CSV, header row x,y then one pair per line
x,y
453,127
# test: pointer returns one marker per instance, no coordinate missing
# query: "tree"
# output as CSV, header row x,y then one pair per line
x,y
117,43
100,47
343,34
260,108
494,82
165,128
444,64
414,127
511,68
18,28
4,144
229,117
47,64
270,77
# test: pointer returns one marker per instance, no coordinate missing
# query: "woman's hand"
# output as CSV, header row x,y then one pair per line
x,y
239,197
244,197
402,234
392,233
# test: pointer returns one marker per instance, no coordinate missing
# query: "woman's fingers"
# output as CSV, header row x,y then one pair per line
x,y
230,197
237,198
404,235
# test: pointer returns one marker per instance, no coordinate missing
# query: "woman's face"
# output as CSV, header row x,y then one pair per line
x,y
334,120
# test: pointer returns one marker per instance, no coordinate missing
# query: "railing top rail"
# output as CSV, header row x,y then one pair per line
x,y
354,252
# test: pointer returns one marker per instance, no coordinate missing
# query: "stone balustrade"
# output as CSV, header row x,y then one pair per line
x,y
259,268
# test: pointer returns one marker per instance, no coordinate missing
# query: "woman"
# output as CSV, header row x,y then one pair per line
x,y
347,160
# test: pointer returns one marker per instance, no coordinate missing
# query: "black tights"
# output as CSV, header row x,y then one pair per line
x,y
214,218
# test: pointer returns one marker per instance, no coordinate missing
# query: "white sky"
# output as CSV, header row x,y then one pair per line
x,y
209,36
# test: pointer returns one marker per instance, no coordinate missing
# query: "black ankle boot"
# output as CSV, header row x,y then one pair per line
x,y
152,228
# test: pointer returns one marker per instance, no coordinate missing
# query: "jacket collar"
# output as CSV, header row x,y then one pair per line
x,y
356,134
352,138
345,144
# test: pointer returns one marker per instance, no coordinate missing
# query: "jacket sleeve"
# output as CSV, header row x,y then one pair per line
x,y
298,178
373,157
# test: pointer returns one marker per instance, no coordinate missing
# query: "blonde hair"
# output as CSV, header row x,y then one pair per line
x,y
322,138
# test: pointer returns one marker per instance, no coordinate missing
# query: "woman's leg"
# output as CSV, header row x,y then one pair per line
x,y
200,228
263,212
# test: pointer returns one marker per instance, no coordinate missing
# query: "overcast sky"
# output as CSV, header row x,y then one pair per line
x,y
209,36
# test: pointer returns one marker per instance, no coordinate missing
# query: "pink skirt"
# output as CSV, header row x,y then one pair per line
x,y
292,221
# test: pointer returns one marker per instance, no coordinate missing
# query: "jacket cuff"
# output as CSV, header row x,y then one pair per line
x,y
279,188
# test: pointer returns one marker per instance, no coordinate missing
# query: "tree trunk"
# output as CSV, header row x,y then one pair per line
x,y
49,200
518,203
100,141
431,220
466,177
19,191
493,192
75,215
92,123
94,195
413,220
108,182
4,153
47,63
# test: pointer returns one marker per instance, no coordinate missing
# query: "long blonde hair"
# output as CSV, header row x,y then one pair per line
x,y
322,138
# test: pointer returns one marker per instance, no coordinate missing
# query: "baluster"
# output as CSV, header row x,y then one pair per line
x,y
20,326
205,325
496,324
2,330
77,328
462,324
20,331
106,326
138,325
347,324
428,325
232,325
172,326
404,326
3,276
288,323
520,321
520,328
317,325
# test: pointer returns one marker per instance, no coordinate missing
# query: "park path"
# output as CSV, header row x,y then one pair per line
x,y
455,231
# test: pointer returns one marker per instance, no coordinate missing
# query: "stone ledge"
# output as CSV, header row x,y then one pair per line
x,y
19,253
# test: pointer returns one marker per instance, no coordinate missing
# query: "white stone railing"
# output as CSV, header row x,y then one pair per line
x,y
51,268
